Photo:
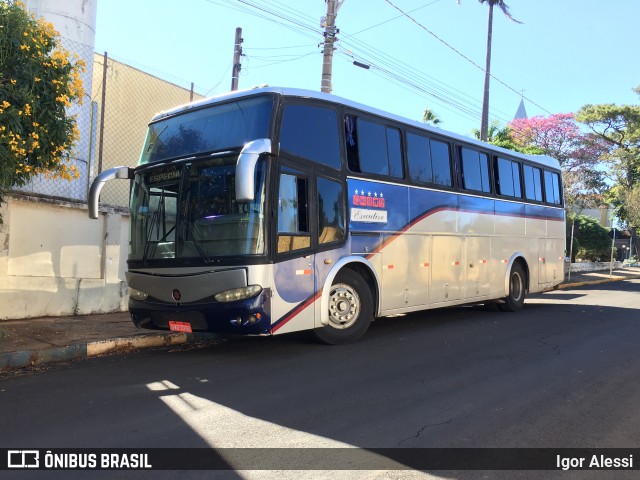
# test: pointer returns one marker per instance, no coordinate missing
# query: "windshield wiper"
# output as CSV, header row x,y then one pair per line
x,y
147,241
196,243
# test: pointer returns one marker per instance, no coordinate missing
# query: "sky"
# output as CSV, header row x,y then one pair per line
x,y
563,55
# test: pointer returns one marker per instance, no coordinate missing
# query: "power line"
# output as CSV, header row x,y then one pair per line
x,y
282,61
219,81
281,48
387,66
389,20
462,54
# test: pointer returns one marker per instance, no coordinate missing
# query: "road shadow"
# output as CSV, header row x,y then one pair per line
x,y
556,374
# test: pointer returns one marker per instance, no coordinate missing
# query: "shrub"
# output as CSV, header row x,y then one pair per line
x,y
38,82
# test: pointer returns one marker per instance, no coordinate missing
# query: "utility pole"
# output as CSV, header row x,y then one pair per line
x,y
330,32
237,53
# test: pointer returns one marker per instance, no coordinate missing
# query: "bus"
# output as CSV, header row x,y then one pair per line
x,y
274,210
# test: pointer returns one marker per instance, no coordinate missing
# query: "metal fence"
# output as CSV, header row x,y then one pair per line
x,y
119,101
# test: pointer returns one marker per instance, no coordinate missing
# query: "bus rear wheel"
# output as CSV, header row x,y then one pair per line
x,y
350,310
517,290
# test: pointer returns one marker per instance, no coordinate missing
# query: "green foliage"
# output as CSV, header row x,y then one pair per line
x,y
632,206
576,247
38,81
579,154
502,137
430,117
619,127
594,243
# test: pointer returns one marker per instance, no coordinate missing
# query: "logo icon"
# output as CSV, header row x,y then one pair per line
x,y
176,295
365,199
23,459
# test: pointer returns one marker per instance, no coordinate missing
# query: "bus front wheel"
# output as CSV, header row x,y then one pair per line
x,y
350,310
517,290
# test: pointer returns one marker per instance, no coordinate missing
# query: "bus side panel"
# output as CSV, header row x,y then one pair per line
x,y
476,265
378,208
476,215
294,295
420,268
297,289
510,237
432,211
447,269
555,246
536,230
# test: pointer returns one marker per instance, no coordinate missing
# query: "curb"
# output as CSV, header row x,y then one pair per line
x,y
565,286
25,358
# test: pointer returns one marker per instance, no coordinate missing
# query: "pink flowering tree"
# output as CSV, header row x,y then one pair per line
x,y
579,154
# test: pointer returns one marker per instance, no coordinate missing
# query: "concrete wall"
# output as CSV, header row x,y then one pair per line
x,y
55,261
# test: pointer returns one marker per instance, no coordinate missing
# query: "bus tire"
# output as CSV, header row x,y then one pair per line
x,y
517,290
350,310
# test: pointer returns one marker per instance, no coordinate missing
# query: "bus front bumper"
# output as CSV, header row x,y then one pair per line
x,y
244,317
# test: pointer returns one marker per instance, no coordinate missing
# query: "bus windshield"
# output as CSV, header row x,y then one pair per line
x,y
189,211
220,127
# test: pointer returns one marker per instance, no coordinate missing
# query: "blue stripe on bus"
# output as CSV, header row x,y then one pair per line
x,y
406,207
295,311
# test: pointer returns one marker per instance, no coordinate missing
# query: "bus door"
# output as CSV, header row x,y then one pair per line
x,y
330,223
294,270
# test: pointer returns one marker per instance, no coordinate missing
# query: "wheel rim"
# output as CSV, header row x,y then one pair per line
x,y
344,306
516,286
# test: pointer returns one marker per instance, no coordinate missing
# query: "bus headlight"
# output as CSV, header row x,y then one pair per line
x,y
137,294
238,293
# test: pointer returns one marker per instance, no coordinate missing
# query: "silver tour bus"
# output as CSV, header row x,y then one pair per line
x,y
276,210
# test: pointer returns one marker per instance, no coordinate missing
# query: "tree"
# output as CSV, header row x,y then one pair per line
x,y
594,243
619,128
38,81
430,117
579,154
484,123
502,137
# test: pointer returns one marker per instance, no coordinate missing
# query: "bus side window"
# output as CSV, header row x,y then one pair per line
x,y
441,161
429,160
552,187
311,132
373,148
293,213
532,183
475,170
508,178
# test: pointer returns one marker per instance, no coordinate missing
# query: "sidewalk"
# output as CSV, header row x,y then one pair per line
x,y
36,341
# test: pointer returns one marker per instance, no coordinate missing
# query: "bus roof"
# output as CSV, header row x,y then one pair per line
x,y
301,93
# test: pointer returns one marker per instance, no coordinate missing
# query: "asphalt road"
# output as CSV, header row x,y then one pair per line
x,y
564,372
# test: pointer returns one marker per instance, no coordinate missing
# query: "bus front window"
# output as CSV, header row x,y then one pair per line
x,y
154,214
190,211
215,223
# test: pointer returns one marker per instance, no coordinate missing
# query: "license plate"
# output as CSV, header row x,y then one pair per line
x,y
182,327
